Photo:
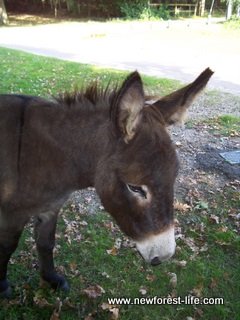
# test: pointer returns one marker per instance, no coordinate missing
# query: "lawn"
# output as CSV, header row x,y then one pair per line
x,y
98,259
37,75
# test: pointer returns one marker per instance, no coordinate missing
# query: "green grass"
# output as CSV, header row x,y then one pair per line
x,y
36,75
212,268
226,125
233,23
212,273
229,124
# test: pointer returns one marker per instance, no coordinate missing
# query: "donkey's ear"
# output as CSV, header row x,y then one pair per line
x,y
128,105
174,106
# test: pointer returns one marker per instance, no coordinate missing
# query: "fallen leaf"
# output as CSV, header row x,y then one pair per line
x,y
14,302
214,218
68,303
118,243
173,293
198,290
213,283
41,302
143,290
55,315
114,313
178,143
204,248
182,207
106,306
199,312
111,308
173,279
104,274
73,266
151,277
89,317
178,233
113,251
24,296
190,243
110,226
67,237
88,199
181,263
94,292
127,243
223,229
83,223
201,205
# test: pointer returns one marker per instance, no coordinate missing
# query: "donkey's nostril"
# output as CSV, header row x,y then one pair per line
x,y
155,261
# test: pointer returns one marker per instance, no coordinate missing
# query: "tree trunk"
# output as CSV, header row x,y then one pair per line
x,y
238,10
3,13
229,9
201,8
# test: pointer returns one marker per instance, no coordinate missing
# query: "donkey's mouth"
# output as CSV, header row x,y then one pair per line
x,y
158,248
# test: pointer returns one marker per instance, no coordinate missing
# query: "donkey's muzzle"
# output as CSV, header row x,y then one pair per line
x,y
157,248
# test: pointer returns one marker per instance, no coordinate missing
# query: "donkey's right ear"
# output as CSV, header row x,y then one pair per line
x,y
128,104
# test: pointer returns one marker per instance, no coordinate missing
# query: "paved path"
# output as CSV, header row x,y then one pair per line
x,y
178,50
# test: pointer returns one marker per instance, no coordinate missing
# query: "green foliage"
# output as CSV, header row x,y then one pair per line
x,y
101,8
84,8
161,12
73,6
233,23
133,9
140,9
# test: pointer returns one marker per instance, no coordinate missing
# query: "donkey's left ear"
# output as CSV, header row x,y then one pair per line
x,y
128,105
174,106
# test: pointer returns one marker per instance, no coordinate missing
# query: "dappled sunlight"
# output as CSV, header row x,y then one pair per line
x,y
30,19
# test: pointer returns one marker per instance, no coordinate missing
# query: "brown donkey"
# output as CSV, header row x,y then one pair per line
x,y
110,139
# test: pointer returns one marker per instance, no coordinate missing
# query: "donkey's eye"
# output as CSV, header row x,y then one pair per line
x,y
137,190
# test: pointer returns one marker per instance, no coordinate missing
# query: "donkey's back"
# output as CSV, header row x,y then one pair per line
x,y
17,139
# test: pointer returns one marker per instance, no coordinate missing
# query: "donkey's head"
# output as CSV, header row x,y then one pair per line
x,y
135,177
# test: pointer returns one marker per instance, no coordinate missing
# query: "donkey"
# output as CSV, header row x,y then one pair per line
x,y
109,139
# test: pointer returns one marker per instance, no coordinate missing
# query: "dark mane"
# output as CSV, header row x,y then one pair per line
x,y
93,95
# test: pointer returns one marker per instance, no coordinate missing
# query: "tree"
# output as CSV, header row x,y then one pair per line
x,y
201,7
3,13
229,9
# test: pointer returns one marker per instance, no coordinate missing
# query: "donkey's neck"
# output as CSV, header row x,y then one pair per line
x,y
71,141
88,141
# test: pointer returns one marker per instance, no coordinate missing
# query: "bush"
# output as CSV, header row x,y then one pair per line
x,y
132,9
161,12
140,9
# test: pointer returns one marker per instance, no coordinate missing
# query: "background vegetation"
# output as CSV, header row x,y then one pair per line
x,y
108,9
